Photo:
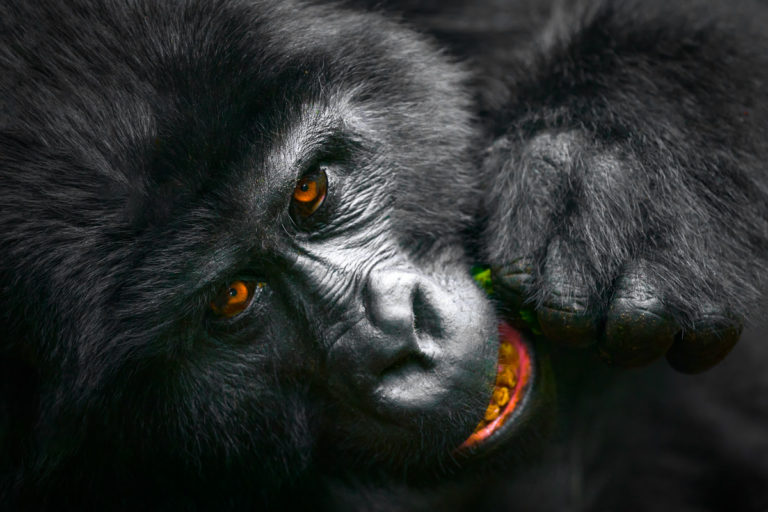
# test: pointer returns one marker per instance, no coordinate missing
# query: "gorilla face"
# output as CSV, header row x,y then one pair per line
x,y
246,235
236,239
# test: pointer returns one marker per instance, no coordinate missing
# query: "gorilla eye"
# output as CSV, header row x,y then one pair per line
x,y
235,298
309,193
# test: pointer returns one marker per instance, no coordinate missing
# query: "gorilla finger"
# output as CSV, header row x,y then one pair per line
x,y
564,316
638,328
512,284
707,344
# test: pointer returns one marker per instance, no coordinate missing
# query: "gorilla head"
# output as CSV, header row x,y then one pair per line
x,y
236,240
236,244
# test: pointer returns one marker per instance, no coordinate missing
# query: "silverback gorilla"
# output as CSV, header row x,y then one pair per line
x,y
269,254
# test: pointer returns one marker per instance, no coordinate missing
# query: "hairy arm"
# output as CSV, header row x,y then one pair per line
x,y
628,167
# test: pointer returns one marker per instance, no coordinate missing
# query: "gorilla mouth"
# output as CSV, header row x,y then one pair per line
x,y
513,380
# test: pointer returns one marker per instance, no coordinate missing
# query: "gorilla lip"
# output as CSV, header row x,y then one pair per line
x,y
513,377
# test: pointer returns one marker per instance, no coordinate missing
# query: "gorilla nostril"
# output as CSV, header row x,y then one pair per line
x,y
426,319
403,303
409,321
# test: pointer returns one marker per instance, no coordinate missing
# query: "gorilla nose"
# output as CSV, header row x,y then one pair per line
x,y
401,303
400,357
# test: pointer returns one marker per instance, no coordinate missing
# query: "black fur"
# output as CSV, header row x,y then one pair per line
x,y
616,148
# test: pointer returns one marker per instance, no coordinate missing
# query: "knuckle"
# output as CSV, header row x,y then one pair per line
x,y
516,276
701,348
637,332
570,327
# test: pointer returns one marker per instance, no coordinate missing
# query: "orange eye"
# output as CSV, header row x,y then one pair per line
x,y
235,298
309,193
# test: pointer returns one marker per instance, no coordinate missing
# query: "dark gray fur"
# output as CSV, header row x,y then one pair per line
x,y
604,143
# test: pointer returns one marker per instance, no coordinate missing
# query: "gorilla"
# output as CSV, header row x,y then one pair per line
x,y
262,254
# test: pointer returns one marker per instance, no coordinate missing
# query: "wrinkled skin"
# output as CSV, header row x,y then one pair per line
x,y
604,159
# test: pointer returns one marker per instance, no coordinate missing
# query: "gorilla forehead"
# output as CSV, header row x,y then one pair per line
x,y
183,75
190,91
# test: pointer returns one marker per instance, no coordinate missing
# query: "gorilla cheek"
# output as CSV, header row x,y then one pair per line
x,y
424,351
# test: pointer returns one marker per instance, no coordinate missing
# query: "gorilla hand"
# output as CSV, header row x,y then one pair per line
x,y
602,250
630,209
